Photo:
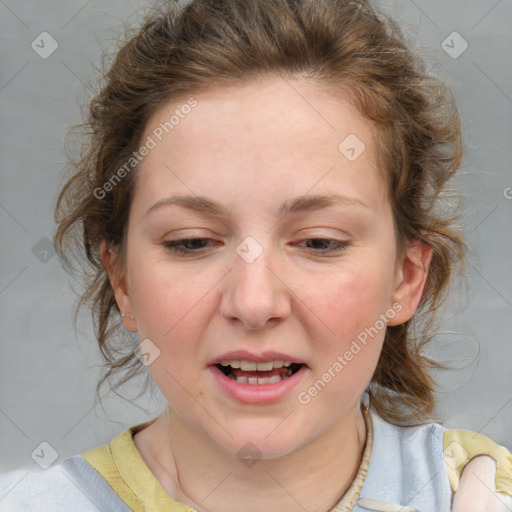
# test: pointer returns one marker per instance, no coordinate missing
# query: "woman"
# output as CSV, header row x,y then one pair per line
x,y
260,203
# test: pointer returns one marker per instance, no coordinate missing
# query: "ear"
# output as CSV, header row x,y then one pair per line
x,y
412,273
108,256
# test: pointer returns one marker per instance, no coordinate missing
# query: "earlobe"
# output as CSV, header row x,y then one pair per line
x,y
123,300
411,278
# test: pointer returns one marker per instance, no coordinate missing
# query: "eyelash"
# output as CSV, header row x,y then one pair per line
x,y
176,246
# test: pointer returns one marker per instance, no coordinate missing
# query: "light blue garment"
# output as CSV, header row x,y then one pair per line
x,y
406,473
407,468
70,486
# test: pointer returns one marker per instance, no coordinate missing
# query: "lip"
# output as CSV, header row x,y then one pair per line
x,y
257,394
269,355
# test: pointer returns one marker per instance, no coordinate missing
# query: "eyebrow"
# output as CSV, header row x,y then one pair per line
x,y
207,206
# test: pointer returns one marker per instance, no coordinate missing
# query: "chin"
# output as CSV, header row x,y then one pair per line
x,y
255,440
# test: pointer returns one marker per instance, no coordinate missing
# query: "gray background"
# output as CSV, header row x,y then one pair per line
x,y
48,370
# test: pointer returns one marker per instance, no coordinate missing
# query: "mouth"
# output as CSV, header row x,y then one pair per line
x,y
258,373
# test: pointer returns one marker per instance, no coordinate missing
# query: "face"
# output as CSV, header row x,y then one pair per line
x,y
278,272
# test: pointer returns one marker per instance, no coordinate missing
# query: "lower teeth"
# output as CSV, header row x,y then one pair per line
x,y
256,381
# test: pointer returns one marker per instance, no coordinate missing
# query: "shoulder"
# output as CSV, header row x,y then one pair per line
x,y
69,485
479,471
87,482
430,467
50,489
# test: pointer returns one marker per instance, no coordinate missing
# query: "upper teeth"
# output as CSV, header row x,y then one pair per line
x,y
253,365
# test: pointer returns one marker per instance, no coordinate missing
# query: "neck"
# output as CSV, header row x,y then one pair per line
x,y
313,477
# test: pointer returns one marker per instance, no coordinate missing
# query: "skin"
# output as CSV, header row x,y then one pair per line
x,y
251,147
477,488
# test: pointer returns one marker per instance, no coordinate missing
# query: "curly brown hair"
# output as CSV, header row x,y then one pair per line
x,y
346,45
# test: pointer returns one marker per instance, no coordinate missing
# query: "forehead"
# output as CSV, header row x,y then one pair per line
x,y
264,113
286,132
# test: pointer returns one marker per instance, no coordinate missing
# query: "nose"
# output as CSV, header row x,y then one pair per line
x,y
255,293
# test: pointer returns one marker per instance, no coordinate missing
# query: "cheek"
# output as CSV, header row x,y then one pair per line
x,y
172,308
170,303
348,351
353,302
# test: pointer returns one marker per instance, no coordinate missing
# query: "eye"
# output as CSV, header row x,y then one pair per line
x,y
189,246
322,245
186,246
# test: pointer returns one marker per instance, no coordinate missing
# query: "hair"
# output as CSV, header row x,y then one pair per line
x,y
349,47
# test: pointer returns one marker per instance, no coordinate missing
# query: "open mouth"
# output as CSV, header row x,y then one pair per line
x,y
250,372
